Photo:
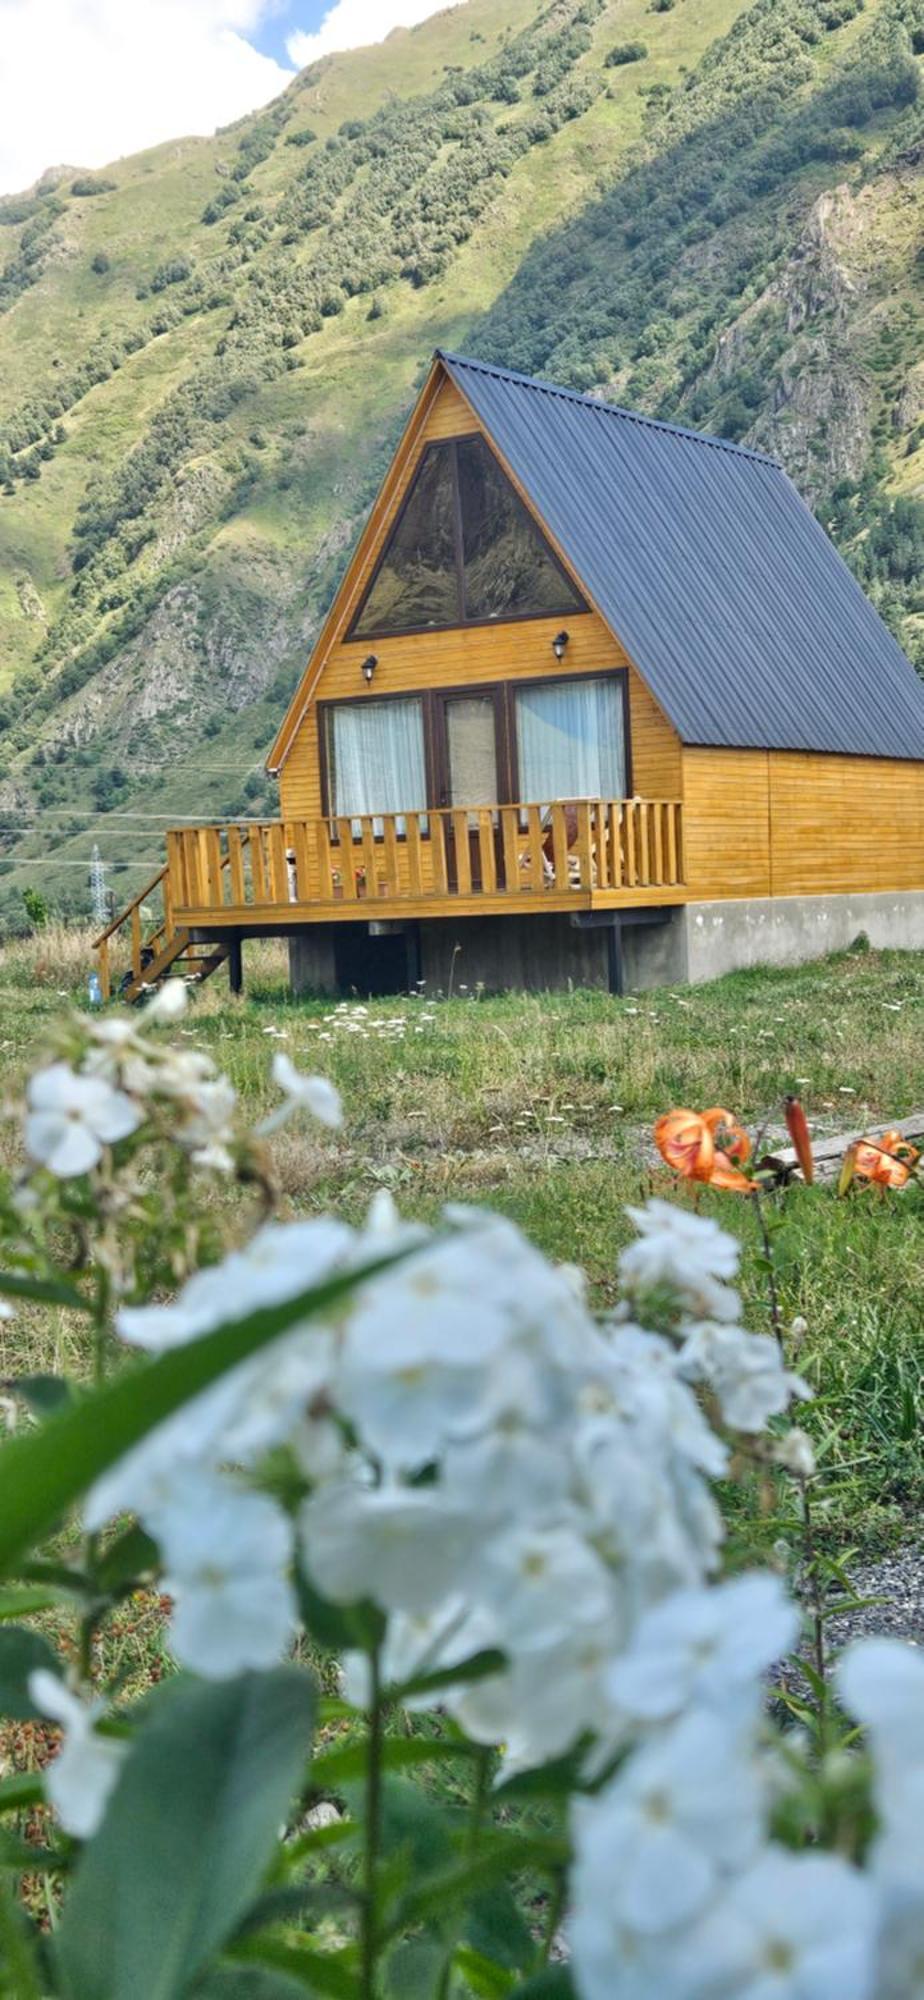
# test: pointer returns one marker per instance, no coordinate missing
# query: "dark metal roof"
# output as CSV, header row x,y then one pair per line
x,y
725,591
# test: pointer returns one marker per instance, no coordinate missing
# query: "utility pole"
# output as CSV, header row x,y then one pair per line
x,y
98,894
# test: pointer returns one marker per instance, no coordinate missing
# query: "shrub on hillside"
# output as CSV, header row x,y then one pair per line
x,y
87,184
626,52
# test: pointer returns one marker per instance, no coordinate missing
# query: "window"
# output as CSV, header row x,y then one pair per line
x,y
571,740
509,570
416,585
463,550
375,754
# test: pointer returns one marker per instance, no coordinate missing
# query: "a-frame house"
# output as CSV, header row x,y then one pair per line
x,y
597,701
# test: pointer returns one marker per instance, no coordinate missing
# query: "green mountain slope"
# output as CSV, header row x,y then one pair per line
x,y
708,209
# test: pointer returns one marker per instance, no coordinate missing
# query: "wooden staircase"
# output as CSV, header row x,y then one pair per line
x,y
155,954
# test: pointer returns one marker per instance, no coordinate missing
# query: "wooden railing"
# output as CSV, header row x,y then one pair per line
x,y
615,847
145,933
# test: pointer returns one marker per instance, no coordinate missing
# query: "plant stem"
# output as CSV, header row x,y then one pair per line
x,y
776,1314
819,1660
556,1911
372,1829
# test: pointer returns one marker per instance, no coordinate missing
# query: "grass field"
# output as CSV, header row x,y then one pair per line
x,y
542,1107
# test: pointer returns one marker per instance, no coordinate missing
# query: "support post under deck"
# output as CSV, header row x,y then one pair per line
x,y
236,965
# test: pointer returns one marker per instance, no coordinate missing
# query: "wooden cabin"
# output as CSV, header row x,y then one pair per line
x,y
597,701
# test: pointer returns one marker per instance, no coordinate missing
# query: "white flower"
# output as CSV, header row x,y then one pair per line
x,y
71,1118
167,1004
882,1682
796,1454
84,1773
541,1582
689,1253
226,1555
901,1945
281,1260
746,1372
313,1094
681,1814
406,1548
704,1646
794,1927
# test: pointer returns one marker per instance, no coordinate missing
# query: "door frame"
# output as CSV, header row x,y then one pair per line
x,y
438,700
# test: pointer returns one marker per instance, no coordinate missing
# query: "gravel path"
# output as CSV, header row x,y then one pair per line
x,y
898,1580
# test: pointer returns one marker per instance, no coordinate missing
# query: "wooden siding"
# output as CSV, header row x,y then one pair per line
x,y
845,824
799,823
727,828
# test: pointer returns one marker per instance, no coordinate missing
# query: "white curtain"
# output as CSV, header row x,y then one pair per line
x,y
376,751
571,741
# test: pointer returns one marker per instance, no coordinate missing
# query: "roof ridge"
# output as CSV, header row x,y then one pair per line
x,y
608,409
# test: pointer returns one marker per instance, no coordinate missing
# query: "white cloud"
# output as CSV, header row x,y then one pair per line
x,y
84,81
352,24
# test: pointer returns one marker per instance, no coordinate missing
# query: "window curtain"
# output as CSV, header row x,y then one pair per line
x,y
571,741
377,760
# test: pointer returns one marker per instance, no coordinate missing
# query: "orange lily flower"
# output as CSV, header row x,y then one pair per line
x,y
684,1140
687,1141
797,1127
730,1137
900,1148
875,1163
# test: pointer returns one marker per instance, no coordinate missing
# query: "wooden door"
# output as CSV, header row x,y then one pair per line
x,y
468,766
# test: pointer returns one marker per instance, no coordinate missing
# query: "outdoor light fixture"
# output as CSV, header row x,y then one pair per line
x,y
369,666
559,643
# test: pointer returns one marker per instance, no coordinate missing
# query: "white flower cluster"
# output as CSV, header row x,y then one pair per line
x,y
677,1889
488,1463
75,1113
882,1684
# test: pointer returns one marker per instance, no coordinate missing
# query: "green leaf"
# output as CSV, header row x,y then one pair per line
x,y
43,1291
345,1764
501,1858
129,1557
478,1667
21,1653
188,1836
555,1983
42,1474
247,1982
24,1602
487,1980
413,1971
44,1394
25,1789
340,1627
329,1974
493,1926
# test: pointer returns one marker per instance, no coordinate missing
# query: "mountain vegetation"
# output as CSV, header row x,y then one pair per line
x,y
710,210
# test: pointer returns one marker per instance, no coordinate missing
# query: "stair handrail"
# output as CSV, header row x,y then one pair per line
x,y
130,914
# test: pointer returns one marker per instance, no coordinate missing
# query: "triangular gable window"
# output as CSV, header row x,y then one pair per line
x,y
464,550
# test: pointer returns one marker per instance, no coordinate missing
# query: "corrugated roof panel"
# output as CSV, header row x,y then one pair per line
x,y
725,591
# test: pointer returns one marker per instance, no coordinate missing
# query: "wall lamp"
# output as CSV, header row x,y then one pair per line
x,y
369,667
560,641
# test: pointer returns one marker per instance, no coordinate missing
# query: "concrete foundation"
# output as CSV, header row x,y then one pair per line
x,y
515,953
547,954
713,938
312,967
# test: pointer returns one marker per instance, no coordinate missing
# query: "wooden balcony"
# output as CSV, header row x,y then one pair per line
x,y
271,878
585,854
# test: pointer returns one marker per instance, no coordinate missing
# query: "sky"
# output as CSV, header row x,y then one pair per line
x,y
84,81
